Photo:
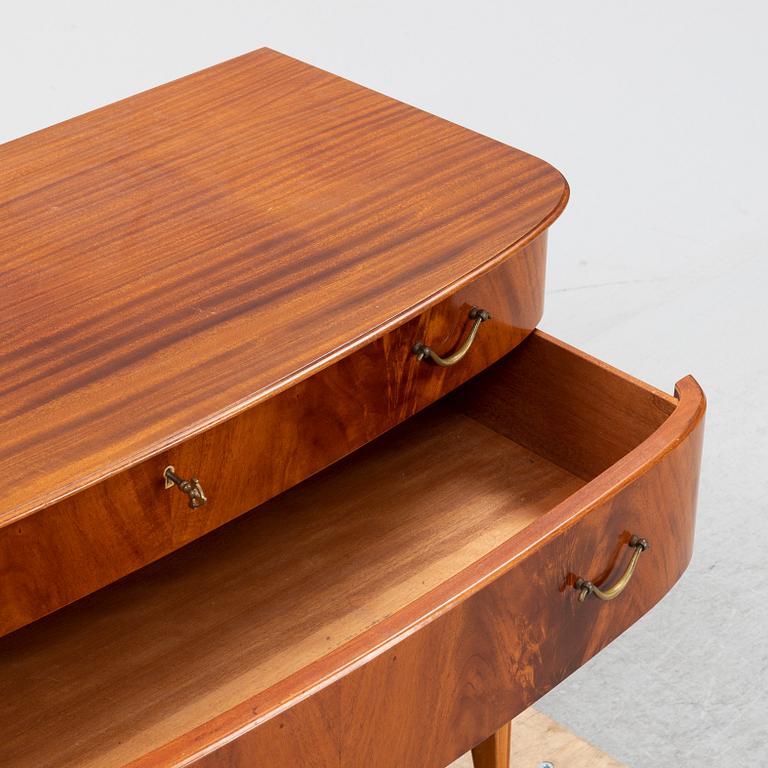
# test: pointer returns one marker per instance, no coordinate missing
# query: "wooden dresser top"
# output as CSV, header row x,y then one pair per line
x,y
171,259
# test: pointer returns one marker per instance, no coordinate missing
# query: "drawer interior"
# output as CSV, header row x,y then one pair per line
x,y
169,648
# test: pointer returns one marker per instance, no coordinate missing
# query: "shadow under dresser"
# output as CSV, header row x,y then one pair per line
x,y
292,479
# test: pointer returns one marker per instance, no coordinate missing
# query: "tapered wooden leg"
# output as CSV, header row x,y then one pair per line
x,y
494,751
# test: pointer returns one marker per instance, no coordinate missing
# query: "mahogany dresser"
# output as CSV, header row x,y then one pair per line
x,y
289,478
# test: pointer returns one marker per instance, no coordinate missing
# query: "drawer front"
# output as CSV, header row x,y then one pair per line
x,y
86,541
459,663
484,662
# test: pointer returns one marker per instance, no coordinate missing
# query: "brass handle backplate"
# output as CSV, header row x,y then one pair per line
x,y
192,487
423,352
587,588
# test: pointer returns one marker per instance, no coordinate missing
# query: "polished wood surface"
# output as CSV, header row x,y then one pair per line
x,y
228,274
435,569
99,535
172,259
494,752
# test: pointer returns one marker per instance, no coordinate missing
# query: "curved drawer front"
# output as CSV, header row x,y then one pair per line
x,y
86,541
393,610
498,652
484,645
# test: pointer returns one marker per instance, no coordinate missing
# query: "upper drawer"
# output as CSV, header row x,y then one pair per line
x,y
60,553
436,567
175,259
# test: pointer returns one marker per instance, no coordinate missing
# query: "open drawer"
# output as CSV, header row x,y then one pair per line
x,y
437,566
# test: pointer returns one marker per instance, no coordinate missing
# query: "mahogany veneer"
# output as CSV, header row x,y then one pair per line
x,y
176,257
174,260
229,274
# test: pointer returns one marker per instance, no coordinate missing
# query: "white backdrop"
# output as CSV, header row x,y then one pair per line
x,y
656,114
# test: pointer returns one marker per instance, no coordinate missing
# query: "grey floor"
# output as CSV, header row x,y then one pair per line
x,y
656,113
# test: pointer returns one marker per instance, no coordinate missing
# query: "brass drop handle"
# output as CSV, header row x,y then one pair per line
x,y
423,352
192,487
587,588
